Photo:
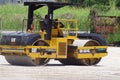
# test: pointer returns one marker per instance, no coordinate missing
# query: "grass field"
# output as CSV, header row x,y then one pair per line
x,y
13,15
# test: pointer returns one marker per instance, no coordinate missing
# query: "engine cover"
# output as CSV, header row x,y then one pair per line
x,y
19,38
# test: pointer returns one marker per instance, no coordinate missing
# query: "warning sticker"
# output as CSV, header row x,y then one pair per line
x,y
13,40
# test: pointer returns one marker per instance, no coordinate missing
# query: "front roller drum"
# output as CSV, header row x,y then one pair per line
x,y
83,61
87,61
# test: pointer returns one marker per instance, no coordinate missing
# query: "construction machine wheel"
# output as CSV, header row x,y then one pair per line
x,y
97,37
84,61
41,61
89,61
26,60
68,61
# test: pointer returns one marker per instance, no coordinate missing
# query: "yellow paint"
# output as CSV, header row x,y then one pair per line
x,y
54,32
90,55
37,55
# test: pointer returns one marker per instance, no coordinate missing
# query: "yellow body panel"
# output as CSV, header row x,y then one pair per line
x,y
92,47
36,55
89,55
25,50
54,32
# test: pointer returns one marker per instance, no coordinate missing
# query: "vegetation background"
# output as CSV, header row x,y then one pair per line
x,y
12,15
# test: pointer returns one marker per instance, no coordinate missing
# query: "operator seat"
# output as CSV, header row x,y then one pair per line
x,y
56,28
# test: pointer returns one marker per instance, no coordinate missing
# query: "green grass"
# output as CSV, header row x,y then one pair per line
x,y
12,16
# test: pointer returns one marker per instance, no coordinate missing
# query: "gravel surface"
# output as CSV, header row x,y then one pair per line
x,y
107,69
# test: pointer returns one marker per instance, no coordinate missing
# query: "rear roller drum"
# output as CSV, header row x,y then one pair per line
x,y
41,61
26,60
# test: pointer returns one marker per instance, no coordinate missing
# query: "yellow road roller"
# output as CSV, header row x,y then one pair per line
x,y
57,39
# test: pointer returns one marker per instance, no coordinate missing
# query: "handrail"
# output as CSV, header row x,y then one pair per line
x,y
0,27
68,27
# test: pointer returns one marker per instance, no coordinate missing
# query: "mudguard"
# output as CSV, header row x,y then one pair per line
x,y
19,38
93,36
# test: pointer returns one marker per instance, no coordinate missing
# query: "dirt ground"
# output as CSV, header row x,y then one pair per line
x,y
107,69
